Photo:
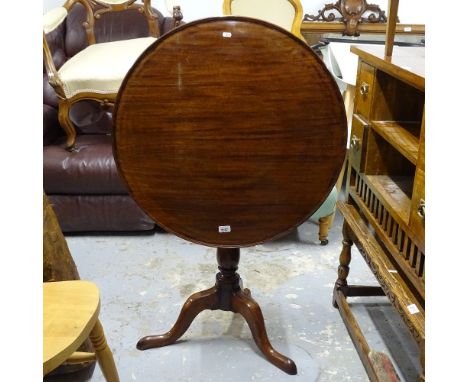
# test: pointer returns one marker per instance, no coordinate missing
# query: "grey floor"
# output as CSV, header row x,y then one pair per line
x,y
144,281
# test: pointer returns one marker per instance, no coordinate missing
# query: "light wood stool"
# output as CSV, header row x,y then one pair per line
x,y
71,310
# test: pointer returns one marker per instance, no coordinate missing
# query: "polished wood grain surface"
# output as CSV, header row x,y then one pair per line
x,y
229,122
402,135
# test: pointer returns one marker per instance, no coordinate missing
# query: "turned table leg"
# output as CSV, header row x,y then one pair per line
x,y
345,258
227,295
325,223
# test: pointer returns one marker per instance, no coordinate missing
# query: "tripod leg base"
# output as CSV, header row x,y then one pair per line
x,y
244,304
195,304
227,295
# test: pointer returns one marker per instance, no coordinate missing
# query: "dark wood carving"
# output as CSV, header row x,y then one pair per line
x,y
228,140
177,16
352,13
96,8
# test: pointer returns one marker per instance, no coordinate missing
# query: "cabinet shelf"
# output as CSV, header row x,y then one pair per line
x,y
403,136
395,191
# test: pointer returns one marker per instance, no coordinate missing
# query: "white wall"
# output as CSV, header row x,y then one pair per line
x,y
409,11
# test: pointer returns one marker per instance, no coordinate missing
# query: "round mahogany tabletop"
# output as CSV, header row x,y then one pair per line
x,y
229,131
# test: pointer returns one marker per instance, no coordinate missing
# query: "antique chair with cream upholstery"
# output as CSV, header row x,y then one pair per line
x,y
287,14
97,70
83,185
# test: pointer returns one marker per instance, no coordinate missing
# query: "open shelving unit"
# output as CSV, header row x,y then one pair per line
x,y
384,211
404,136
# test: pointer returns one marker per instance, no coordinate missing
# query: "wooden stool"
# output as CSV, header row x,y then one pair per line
x,y
229,132
71,310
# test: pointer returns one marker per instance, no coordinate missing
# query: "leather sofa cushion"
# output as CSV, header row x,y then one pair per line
x,y
99,213
89,170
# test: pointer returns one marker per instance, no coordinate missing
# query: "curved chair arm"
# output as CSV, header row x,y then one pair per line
x,y
52,74
51,21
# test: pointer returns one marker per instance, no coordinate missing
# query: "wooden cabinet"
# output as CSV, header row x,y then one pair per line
x,y
384,212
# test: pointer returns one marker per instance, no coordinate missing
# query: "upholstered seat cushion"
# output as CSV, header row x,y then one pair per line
x,y
327,207
101,68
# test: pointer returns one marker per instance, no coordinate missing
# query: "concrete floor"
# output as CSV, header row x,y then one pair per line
x,y
144,281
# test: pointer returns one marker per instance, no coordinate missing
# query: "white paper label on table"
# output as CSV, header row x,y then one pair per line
x,y
224,228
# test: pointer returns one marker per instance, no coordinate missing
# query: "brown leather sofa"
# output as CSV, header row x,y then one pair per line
x,y
84,186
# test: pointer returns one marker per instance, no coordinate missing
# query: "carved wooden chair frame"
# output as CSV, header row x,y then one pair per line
x,y
94,10
297,22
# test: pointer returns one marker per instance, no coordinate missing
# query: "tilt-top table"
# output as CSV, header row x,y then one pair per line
x,y
229,132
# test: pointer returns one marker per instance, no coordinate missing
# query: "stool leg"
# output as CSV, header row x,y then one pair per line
x,y
324,225
103,353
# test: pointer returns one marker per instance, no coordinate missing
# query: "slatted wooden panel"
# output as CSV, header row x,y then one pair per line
x,y
402,243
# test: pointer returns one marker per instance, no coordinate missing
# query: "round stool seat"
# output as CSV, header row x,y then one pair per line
x,y
71,309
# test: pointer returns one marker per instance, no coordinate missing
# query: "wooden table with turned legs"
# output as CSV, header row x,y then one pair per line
x,y
229,132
